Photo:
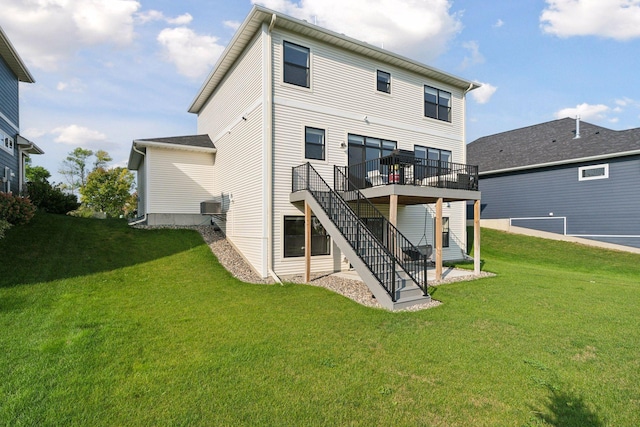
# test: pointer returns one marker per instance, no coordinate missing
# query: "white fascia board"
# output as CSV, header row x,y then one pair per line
x,y
167,146
562,162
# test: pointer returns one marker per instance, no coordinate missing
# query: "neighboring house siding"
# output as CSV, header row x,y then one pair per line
x,y
179,180
594,207
9,120
239,170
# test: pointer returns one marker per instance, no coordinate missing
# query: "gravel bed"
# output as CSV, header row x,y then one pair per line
x,y
353,289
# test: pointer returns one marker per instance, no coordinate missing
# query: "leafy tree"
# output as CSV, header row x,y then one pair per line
x,y
108,190
36,173
102,159
74,168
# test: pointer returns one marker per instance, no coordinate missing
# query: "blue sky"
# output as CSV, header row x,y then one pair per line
x,y
110,71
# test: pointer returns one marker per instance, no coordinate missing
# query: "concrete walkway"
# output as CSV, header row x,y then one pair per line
x,y
449,273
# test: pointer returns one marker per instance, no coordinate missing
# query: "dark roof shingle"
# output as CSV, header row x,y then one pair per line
x,y
549,142
189,140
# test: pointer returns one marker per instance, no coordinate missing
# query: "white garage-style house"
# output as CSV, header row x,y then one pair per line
x,y
317,152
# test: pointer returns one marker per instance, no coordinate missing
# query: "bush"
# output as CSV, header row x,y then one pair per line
x,y
51,199
16,210
4,226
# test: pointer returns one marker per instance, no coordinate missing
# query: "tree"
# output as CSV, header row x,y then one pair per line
x,y
108,190
74,168
35,173
102,159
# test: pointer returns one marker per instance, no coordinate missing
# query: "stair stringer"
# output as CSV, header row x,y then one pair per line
x,y
358,264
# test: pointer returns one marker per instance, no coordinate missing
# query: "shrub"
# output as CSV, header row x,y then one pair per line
x,y
4,226
16,210
51,199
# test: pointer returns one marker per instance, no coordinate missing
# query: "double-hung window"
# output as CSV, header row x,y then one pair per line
x,y
294,237
296,64
314,143
383,82
437,104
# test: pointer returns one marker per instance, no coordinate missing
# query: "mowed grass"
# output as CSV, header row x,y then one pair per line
x,y
101,324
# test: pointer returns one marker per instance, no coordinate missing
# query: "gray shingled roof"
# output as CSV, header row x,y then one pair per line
x,y
550,142
189,140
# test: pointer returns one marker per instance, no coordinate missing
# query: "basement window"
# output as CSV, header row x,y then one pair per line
x,y
294,237
588,173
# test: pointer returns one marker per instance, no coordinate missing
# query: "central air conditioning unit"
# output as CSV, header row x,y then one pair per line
x,y
211,207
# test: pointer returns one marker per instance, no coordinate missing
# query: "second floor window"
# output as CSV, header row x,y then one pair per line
x,y
384,82
313,143
296,65
437,104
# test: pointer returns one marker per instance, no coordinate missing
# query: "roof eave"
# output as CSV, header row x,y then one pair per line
x,y
561,162
11,57
260,14
148,143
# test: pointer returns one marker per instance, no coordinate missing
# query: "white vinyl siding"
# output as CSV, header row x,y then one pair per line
x,y
178,180
233,118
344,80
340,97
238,93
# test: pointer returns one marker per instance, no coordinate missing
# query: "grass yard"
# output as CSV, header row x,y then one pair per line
x,y
101,324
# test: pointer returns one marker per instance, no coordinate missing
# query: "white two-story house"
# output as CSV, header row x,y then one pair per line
x,y
320,153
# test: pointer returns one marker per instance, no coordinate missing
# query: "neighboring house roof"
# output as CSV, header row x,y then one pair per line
x,y
200,143
27,146
549,144
260,15
11,57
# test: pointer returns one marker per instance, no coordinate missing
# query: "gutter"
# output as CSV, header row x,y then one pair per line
x,y
562,162
146,215
268,97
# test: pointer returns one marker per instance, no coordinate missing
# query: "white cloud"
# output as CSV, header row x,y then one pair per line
x,y
475,56
483,94
616,19
614,120
193,55
73,85
156,15
585,111
64,26
499,23
234,25
77,135
418,28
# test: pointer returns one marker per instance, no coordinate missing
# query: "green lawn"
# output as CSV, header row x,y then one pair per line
x,y
101,324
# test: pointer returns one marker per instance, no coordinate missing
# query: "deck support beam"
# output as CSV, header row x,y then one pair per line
x,y
307,242
438,239
393,210
476,237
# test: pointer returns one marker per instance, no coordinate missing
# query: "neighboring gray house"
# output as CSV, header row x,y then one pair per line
x,y
14,149
564,176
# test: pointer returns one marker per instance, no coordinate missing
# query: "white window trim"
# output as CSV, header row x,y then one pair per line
x,y
590,178
3,138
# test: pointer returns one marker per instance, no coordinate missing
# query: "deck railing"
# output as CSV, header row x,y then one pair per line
x,y
376,243
406,170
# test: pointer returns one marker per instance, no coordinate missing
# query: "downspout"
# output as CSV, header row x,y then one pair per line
x,y
464,121
144,218
269,142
